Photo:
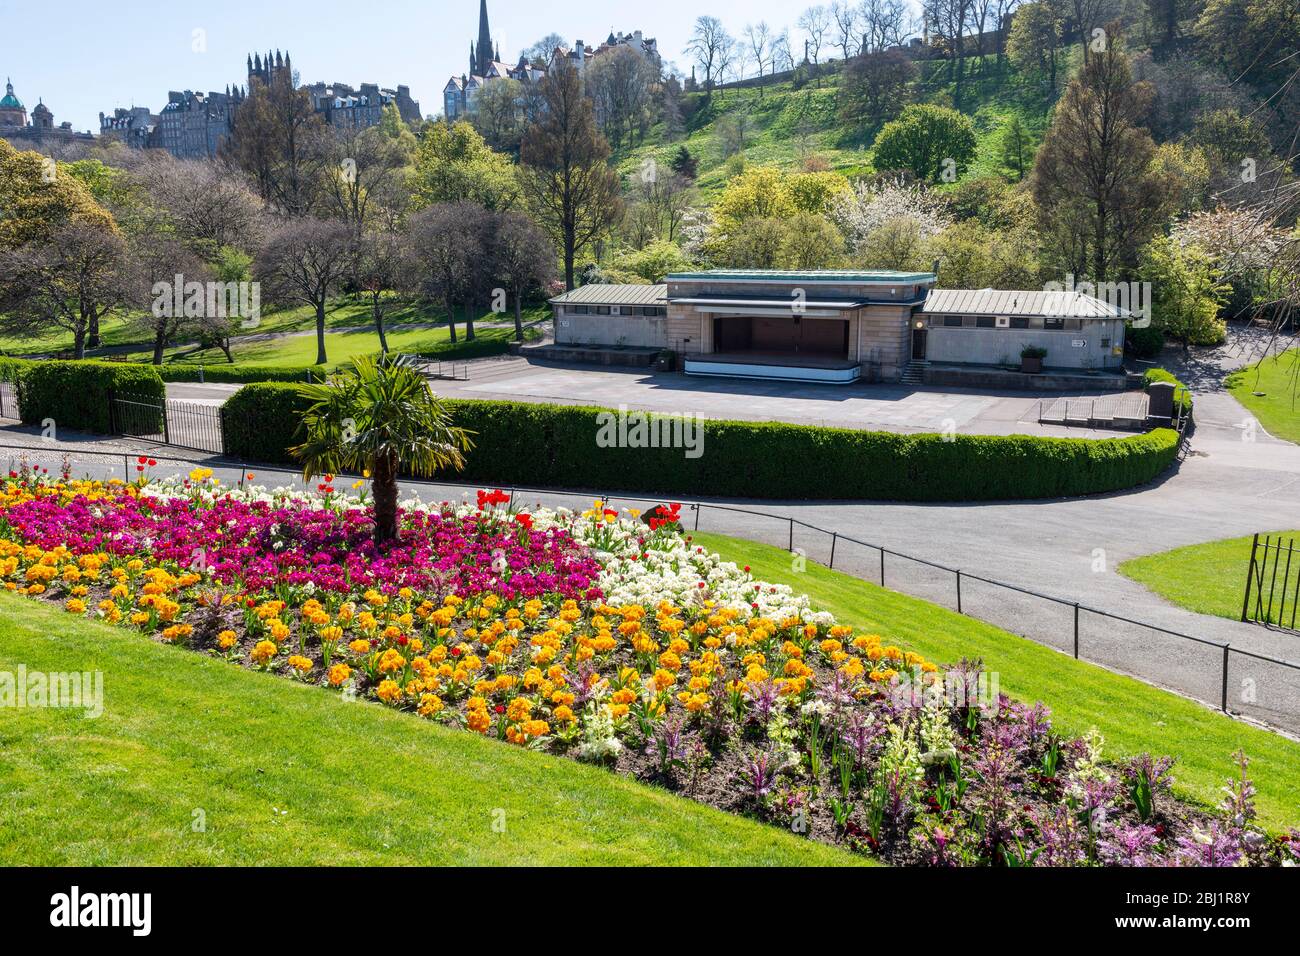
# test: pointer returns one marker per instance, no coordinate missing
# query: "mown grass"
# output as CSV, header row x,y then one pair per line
x,y
1132,716
280,773
1206,578
1277,379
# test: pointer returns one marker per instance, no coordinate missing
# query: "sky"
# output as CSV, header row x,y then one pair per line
x,y
83,57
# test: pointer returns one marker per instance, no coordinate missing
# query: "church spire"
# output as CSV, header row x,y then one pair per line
x,y
484,40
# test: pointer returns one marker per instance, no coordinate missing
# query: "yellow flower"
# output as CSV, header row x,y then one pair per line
x,y
264,651
338,674
226,640
301,664
389,692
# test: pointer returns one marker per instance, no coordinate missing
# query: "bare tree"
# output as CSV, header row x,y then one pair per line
x,y
884,24
523,259
708,42
446,243
846,27
382,259
358,166
157,261
66,282
204,202
815,22
622,84
306,260
758,45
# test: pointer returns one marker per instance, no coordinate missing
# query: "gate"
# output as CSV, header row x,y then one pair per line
x,y
1273,583
192,425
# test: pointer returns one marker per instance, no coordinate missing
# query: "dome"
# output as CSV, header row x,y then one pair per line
x,y
10,102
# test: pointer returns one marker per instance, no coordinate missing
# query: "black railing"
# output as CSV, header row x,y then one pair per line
x,y
191,425
1270,587
1198,667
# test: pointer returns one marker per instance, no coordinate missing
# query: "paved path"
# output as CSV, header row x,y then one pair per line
x,y
1068,548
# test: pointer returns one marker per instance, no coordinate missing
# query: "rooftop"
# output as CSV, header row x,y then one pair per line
x,y
1073,305
614,294
839,277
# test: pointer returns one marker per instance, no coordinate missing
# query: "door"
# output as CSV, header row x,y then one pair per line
x,y
918,344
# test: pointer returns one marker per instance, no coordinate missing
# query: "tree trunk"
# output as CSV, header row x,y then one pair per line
x,y
92,329
519,322
225,347
451,319
159,340
79,343
469,321
379,324
320,332
384,484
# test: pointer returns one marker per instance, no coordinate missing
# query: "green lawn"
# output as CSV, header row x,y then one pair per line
x,y
1277,378
342,313
283,773
1206,578
1131,715
343,346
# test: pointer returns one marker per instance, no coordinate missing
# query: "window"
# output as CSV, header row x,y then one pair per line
x,y
1053,322
1105,343
1019,322
579,309
1073,325
952,321
985,322
602,310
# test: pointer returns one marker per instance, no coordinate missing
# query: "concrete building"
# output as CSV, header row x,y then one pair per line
x,y
839,326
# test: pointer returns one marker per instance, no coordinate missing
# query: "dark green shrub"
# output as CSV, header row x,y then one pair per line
x,y
1145,343
77,394
1182,395
243,373
518,443
260,421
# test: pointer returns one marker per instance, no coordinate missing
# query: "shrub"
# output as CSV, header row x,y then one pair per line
x,y
555,446
260,421
1145,343
242,374
77,394
1182,395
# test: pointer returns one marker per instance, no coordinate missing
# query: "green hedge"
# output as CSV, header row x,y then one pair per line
x,y
242,374
555,446
1183,394
76,394
259,422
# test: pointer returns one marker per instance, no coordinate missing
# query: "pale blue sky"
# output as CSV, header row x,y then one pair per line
x,y
84,56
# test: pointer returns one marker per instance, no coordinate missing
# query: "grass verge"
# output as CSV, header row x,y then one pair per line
x,y
1206,578
1278,405
282,773
1132,716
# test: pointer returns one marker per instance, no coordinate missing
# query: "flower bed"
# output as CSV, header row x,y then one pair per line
x,y
609,637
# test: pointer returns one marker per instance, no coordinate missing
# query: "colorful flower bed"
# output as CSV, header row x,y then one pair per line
x,y
609,637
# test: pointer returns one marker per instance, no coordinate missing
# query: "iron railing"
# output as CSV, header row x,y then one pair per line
x,y
1267,588
1198,667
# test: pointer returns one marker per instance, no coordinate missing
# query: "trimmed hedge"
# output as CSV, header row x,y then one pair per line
x,y
242,374
75,394
555,446
259,422
1183,398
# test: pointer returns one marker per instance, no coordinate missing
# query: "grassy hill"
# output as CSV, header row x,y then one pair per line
x,y
785,122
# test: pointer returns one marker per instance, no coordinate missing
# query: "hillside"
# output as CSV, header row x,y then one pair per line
x,y
784,123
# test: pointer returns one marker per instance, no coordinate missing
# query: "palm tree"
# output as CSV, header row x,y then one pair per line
x,y
376,417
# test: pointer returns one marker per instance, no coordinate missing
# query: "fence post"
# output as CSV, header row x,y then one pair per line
x,y
698,507
126,469
1250,576
791,548
882,567
166,429
1076,630
959,591
834,536
1226,648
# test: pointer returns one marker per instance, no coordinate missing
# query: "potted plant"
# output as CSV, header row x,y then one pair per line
x,y
1031,359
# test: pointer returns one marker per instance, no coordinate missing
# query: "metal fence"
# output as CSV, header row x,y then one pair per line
x,y
1200,668
192,425
1263,584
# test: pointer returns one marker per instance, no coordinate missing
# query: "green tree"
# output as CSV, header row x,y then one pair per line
x,y
37,197
1017,148
379,417
1186,291
811,243
1035,35
934,142
454,163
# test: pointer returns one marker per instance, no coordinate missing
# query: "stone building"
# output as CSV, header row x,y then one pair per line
x,y
134,127
37,133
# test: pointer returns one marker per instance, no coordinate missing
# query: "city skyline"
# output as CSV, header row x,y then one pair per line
x,y
155,47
